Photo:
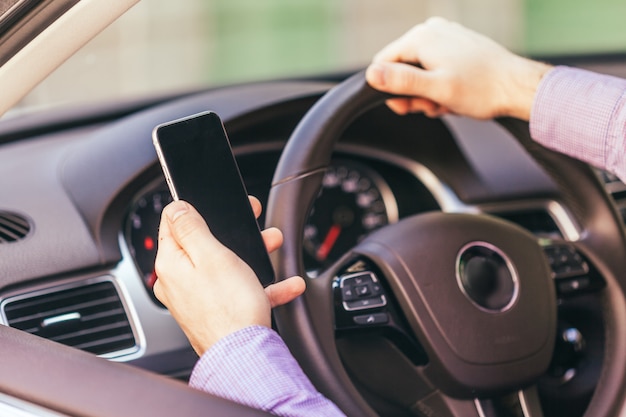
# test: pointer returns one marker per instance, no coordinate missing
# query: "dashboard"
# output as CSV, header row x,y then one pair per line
x,y
86,191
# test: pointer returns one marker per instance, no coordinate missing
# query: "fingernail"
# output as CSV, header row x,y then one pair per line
x,y
376,74
176,209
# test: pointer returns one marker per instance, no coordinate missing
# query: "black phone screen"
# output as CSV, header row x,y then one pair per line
x,y
200,168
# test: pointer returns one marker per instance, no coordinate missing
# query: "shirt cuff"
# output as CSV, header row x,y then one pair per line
x,y
254,367
582,114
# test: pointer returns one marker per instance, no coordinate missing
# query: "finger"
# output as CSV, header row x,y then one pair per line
x,y
164,227
428,107
159,293
257,208
273,238
436,111
406,48
285,291
399,106
190,231
402,79
404,106
400,50
167,247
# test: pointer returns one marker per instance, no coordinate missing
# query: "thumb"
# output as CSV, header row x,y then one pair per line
x,y
189,229
400,78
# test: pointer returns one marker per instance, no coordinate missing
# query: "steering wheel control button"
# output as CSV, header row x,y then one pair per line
x,y
361,290
565,261
574,285
573,274
487,277
374,302
570,354
371,319
348,294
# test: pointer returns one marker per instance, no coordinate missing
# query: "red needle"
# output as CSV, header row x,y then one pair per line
x,y
328,243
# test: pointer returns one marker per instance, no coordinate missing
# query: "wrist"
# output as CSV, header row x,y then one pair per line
x,y
526,76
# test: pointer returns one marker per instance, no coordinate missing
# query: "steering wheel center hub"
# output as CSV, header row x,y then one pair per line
x,y
487,277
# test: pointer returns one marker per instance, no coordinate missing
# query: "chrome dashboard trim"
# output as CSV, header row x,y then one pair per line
x,y
479,408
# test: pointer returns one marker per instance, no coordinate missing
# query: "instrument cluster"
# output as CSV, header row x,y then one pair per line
x,y
358,196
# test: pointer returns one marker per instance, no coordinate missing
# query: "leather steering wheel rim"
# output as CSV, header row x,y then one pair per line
x,y
308,331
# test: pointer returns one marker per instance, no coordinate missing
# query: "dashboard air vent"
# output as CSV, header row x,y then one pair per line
x,y
90,317
13,227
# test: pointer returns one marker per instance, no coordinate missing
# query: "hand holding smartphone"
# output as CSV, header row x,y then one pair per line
x,y
200,168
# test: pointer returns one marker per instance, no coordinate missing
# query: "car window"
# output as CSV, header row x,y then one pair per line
x,y
161,46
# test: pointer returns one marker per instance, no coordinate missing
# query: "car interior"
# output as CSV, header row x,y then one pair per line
x,y
394,206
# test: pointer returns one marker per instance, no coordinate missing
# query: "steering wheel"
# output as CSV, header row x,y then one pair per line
x,y
439,313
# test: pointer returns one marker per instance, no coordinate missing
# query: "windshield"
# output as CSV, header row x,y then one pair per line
x,y
163,46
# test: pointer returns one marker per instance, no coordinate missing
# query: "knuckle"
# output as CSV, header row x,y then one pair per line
x,y
436,21
187,227
160,266
406,80
157,289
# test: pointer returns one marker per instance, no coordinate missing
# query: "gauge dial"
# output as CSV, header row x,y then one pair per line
x,y
142,232
354,201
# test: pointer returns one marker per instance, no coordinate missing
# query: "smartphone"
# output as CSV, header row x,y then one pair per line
x,y
200,168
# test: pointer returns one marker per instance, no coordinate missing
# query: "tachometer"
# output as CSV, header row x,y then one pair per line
x,y
353,202
142,232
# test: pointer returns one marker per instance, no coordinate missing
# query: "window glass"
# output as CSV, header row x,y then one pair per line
x,y
162,46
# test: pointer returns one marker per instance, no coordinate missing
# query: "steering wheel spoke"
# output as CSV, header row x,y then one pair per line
x,y
364,307
523,403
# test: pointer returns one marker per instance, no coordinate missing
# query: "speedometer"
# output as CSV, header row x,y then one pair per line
x,y
354,201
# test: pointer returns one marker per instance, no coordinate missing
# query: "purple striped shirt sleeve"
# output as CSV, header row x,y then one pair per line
x,y
582,114
254,367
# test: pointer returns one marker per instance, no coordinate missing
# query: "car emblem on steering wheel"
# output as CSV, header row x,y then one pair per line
x,y
487,277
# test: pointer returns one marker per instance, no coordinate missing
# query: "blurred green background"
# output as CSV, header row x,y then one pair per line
x,y
575,26
163,46
309,35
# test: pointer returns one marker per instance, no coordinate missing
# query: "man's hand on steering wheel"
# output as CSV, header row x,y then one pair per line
x,y
447,68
